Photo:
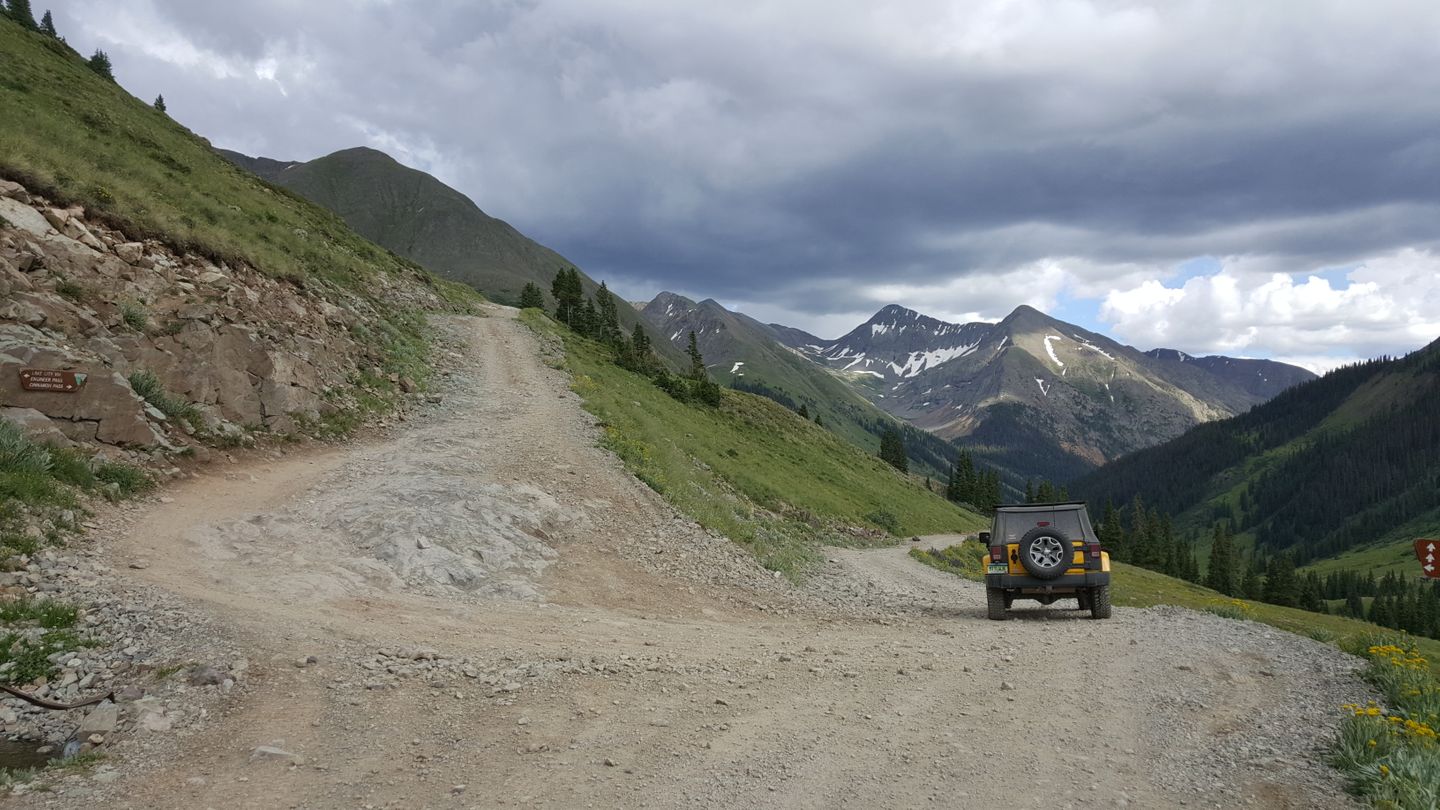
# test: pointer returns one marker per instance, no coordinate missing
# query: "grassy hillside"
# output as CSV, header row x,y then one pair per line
x,y
751,469
78,138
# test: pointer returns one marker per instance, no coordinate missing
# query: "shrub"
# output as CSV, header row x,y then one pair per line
x,y
70,290
148,386
885,519
133,315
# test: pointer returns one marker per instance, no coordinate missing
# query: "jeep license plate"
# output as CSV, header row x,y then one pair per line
x,y
997,568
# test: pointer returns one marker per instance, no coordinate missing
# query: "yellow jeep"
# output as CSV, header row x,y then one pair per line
x,y
1045,552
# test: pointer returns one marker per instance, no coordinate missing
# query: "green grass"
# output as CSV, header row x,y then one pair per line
x,y
750,469
148,386
71,290
1137,587
961,559
134,315
70,134
46,613
30,632
49,481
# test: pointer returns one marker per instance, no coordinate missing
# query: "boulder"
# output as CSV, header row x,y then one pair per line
x,y
130,252
11,279
53,312
55,217
36,425
22,312
101,720
24,218
14,191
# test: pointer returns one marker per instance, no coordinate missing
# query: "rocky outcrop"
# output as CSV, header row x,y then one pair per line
x,y
248,351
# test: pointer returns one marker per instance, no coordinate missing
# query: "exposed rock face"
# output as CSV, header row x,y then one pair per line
x,y
246,349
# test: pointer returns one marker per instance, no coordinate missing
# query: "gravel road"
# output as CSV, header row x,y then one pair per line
x,y
482,609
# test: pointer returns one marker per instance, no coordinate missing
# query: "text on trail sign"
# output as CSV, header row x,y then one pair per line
x,y
52,380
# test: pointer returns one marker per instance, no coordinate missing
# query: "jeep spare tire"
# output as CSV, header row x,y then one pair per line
x,y
1046,552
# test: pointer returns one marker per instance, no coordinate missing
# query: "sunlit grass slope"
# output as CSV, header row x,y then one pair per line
x,y
751,469
72,135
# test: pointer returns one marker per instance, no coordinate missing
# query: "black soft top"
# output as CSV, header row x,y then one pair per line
x,y
1041,507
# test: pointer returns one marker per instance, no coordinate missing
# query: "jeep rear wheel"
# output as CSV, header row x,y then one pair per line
x,y
995,603
1046,552
1100,602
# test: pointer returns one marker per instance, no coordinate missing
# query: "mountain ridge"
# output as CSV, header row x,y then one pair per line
x,y
748,355
1032,394
417,216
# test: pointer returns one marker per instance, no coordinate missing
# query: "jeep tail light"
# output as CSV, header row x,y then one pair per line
x,y
997,554
1043,523
1094,549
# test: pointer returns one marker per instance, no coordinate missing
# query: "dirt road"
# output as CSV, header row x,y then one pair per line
x,y
500,616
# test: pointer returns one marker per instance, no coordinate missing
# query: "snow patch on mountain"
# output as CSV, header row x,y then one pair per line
x,y
1092,347
1050,349
736,367
920,361
1043,390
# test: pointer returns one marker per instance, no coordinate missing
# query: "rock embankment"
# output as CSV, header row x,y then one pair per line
x,y
248,351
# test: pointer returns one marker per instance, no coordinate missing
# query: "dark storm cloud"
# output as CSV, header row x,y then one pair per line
x,y
800,152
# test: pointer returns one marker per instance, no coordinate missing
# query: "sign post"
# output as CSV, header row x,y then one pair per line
x,y
1428,552
52,380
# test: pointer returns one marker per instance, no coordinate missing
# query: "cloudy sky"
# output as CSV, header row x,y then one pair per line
x,y
1257,179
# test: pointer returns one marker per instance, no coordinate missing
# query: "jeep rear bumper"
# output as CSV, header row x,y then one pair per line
x,y
1065,582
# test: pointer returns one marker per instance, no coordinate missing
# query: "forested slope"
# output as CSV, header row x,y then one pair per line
x,y
1327,466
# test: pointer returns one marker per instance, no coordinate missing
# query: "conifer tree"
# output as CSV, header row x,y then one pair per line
x,y
1137,543
697,362
566,291
1281,585
20,12
1045,493
1252,586
1220,575
636,355
892,450
817,419
587,322
47,26
531,296
804,411
100,63
609,316
1029,491
1112,532
160,103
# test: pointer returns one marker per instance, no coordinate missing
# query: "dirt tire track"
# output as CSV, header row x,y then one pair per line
x,y
884,686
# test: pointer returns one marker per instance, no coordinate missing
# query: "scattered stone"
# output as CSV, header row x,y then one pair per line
x,y
101,720
270,753
205,675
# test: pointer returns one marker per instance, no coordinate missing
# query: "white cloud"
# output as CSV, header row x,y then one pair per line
x,y
1387,304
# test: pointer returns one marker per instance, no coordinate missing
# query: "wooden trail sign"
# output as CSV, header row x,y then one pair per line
x,y
1428,552
52,380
